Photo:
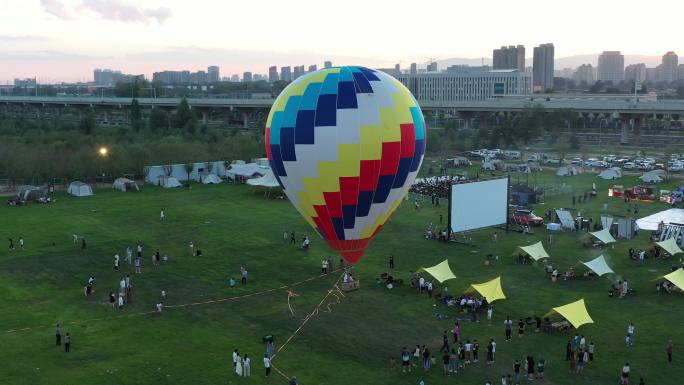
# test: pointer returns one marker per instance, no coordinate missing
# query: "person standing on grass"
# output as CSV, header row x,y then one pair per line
x,y
83,243
11,244
445,362
293,239
580,361
476,351
508,326
624,378
267,361
630,334
391,261
490,351
541,364
456,331
58,335
591,349
139,250
161,214
490,312
430,287
243,273
67,343
129,255
668,350
468,351
445,343
116,262
416,356
269,348
21,243
138,269
516,371
238,365
453,361
112,299
405,360
426,359
247,366
521,328
235,356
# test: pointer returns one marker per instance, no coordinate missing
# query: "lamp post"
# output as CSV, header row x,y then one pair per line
x,y
103,152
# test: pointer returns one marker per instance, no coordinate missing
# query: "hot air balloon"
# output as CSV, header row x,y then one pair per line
x,y
345,144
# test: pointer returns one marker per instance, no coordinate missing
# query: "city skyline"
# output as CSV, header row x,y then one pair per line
x,y
63,40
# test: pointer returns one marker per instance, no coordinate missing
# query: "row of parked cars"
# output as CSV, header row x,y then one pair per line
x,y
494,154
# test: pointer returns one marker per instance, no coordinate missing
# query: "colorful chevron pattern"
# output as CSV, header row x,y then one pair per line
x,y
346,143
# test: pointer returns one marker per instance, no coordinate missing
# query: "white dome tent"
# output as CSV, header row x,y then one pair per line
x,y
79,189
169,182
211,179
125,184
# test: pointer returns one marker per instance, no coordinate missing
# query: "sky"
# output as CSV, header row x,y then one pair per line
x,y
64,40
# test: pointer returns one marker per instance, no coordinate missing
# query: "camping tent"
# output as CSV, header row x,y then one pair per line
x,y
125,184
490,290
442,272
211,179
611,173
676,277
651,177
576,313
604,236
246,171
269,180
566,219
168,182
599,266
535,251
30,193
670,246
651,222
79,189
567,171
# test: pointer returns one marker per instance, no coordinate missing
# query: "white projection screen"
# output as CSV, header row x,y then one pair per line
x,y
475,205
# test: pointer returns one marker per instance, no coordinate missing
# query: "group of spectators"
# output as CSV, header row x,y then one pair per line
x,y
439,186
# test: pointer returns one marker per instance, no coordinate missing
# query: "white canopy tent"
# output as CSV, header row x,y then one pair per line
x,y
599,266
211,179
652,221
168,182
670,246
611,173
30,193
79,189
651,177
567,171
125,184
247,171
604,236
269,180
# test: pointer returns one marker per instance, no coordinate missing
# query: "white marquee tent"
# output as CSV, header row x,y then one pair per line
x,y
611,173
211,179
79,189
247,171
599,266
651,222
269,180
169,182
125,184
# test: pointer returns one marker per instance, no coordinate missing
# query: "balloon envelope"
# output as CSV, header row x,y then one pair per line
x,y
346,143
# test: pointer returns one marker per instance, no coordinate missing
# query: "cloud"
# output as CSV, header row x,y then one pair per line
x,y
57,8
22,38
121,10
47,55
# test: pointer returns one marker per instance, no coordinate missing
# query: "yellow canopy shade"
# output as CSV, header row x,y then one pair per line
x,y
491,290
535,251
576,313
676,277
670,246
442,272
604,236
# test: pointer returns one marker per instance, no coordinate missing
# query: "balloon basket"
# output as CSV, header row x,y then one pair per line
x,y
350,286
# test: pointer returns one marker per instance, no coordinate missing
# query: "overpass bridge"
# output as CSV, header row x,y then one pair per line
x,y
625,109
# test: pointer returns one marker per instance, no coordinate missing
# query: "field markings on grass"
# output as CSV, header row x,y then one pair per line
x,y
179,306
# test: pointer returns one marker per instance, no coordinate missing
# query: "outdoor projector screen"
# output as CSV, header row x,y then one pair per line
x,y
480,204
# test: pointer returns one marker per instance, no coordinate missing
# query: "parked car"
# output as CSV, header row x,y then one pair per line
x,y
511,154
610,158
527,217
629,166
676,167
553,161
590,162
599,163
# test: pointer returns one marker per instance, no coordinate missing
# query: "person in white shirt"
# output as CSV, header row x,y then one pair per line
x,y
267,361
421,284
21,242
247,367
235,356
116,261
129,255
160,306
630,334
490,311
161,215
624,380
122,284
121,301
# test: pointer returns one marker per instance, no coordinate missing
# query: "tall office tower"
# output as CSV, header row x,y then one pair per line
x,y
584,74
327,64
669,67
542,67
414,69
213,74
611,67
313,68
635,72
397,69
511,57
273,74
286,73
246,76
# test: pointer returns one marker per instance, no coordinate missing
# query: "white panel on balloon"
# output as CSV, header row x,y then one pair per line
x,y
476,205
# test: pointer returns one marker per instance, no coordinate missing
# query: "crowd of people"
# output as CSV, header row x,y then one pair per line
x,y
436,186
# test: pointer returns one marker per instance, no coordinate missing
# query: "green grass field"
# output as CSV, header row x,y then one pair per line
x,y
350,344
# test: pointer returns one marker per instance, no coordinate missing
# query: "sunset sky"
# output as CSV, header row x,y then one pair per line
x,y
63,40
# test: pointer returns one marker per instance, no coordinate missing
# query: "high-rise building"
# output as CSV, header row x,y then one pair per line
x,y
296,73
273,74
635,72
511,57
286,74
213,74
414,69
313,68
432,66
611,67
397,69
669,70
25,83
246,76
652,74
234,78
109,77
584,74
680,72
171,77
327,64
542,67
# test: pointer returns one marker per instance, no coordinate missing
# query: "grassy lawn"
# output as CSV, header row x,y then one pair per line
x,y
349,342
